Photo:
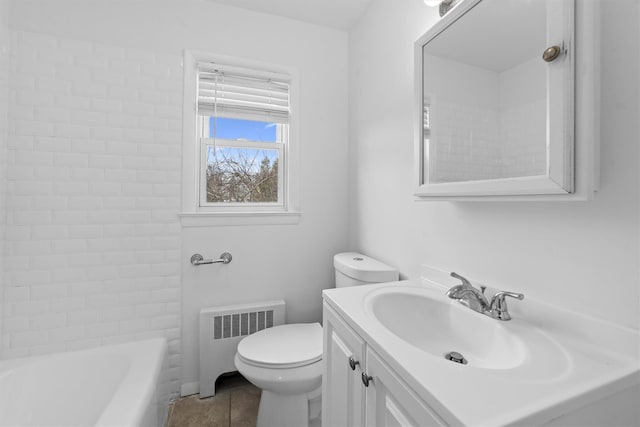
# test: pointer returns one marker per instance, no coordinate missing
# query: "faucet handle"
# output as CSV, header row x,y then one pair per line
x,y
509,294
465,282
498,306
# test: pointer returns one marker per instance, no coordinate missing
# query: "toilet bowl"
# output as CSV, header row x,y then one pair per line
x,y
286,361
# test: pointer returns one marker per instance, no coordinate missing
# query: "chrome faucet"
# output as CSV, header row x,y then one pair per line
x,y
467,295
498,307
473,298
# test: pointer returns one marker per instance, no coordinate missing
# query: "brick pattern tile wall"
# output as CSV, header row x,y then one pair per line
x,y
523,135
93,192
467,145
479,143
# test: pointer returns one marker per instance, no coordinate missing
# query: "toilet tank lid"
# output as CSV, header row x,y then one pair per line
x,y
362,267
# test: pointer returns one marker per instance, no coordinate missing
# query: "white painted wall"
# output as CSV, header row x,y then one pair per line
x,y
580,255
286,261
293,262
4,105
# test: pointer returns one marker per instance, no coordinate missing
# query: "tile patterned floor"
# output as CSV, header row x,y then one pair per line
x,y
234,405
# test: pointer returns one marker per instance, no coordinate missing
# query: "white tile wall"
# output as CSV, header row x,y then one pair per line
x,y
93,238
467,144
523,118
481,143
488,131
523,136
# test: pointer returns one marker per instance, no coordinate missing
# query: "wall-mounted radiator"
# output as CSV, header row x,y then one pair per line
x,y
222,328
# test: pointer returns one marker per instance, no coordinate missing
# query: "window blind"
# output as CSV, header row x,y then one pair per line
x,y
242,94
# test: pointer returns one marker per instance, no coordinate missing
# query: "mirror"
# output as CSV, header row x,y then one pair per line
x,y
494,117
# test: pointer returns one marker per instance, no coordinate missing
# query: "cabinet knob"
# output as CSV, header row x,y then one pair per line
x,y
353,363
551,53
365,379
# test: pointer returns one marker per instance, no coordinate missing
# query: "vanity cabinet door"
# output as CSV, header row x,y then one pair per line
x,y
342,391
390,402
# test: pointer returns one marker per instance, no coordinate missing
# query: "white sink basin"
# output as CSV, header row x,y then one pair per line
x,y
438,325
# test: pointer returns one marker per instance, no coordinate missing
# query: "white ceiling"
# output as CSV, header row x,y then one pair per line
x,y
341,14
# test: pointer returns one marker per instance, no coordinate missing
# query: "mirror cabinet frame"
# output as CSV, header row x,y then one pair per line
x,y
573,116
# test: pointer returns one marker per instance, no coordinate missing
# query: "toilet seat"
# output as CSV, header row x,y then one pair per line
x,y
282,347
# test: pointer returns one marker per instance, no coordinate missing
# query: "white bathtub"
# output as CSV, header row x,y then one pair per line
x,y
117,385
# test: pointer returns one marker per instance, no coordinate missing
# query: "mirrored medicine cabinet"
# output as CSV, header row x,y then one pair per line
x,y
496,102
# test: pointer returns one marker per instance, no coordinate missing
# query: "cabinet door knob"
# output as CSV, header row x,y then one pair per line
x,y
551,53
365,379
353,363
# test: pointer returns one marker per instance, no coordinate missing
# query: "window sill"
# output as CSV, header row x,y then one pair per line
x,y
212,219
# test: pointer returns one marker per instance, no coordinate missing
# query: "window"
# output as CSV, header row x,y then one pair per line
x,y
240,161
241,145
243,126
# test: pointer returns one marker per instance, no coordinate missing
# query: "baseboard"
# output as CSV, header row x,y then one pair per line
x,y
187,389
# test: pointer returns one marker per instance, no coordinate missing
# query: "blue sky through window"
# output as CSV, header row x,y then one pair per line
x,y
227,158
238,129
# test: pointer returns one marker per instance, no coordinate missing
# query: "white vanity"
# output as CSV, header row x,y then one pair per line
x,y
385,365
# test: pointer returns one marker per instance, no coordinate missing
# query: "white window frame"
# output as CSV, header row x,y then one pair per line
x,y
194,212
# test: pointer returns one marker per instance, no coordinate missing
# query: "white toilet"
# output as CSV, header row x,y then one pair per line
x,y
286,361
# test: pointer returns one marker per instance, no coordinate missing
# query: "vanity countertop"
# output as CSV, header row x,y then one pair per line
x,y
567,359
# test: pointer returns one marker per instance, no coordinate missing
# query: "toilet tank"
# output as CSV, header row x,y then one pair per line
x,y
354,269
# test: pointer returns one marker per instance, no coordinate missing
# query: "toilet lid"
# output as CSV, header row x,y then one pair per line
x,y
285,346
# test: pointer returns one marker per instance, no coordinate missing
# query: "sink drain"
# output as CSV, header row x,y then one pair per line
x,y
454,356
